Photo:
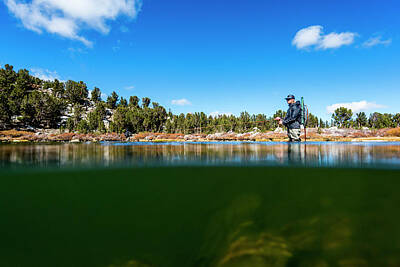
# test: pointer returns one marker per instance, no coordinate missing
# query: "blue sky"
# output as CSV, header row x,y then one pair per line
x,y
214,56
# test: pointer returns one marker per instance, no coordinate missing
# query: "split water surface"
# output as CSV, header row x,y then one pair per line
x,y
140,154
200,204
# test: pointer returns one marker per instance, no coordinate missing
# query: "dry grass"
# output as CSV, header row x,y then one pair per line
x,y
310,135
63,137
111,137
140,136
393,132
358,134
15,133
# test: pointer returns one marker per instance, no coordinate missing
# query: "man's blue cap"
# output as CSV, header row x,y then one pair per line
x,y
290,97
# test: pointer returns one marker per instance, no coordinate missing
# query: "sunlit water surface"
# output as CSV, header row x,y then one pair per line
x,y
314,154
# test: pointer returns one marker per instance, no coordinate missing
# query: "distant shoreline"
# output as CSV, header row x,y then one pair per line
x,y
313,134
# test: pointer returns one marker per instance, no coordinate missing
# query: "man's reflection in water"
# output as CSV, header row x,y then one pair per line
x,y
296,153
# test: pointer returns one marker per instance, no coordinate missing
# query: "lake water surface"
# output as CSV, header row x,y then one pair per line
x,y
315,154
206,205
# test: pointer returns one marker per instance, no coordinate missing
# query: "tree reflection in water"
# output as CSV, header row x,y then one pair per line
x,y
228,153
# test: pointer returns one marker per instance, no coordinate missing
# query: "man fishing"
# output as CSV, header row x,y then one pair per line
x,y
292,120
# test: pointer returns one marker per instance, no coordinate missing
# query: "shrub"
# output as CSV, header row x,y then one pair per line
x,y
83,126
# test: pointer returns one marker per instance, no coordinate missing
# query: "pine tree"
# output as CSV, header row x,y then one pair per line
x,y
96,95
342,117
361,119
112,100
76,93
134,101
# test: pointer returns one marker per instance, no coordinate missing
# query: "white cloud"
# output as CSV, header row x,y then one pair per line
x,y
354,106
67,17
45,74
129,87
313,36
336,40
181,102
218,113
373,41
307,37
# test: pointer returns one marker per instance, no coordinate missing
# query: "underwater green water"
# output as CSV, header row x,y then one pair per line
x,y
200,216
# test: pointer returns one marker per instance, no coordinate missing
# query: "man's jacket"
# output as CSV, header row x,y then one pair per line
x,y
293,116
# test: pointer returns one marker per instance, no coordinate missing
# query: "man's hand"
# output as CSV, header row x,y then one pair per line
x,y
279,119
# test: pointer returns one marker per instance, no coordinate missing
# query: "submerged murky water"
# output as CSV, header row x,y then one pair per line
x,y
203,217
313,154
213,216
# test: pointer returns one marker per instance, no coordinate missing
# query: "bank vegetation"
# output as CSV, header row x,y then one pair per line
x,y
34,109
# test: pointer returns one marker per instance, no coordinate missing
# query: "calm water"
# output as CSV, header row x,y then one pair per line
x,y
224,153
278,213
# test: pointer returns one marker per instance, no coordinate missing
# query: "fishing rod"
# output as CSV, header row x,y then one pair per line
x,y
304,117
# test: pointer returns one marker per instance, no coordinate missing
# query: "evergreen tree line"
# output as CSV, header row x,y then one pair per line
x,y
344,118
26,100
